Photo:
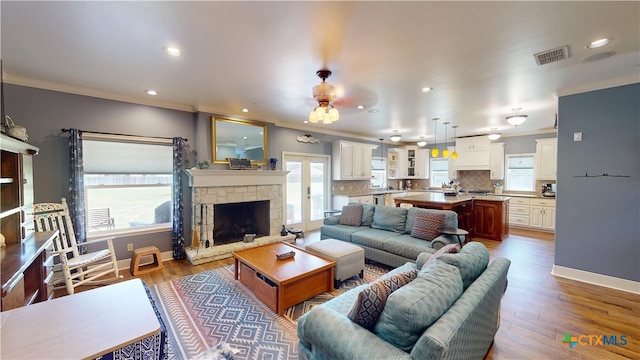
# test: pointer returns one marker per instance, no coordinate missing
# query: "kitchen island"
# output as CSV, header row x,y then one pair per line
x,y
486,216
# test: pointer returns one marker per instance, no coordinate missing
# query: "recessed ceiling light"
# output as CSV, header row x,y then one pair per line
x,y
598,43
360,107
374,110
172,51
245,110
426,89
152,92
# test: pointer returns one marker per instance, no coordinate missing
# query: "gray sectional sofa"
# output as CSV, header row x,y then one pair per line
x,y
449,311
385,233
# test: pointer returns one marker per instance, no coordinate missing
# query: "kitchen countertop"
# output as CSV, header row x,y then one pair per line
x,y
440,198
490,196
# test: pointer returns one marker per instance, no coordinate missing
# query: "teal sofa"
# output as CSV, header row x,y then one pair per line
x,y
457,297
385,233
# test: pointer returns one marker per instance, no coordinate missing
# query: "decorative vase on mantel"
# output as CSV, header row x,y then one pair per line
x,y
272,163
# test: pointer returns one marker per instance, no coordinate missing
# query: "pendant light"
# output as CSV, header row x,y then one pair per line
x,y
516,119
445,151
421,143
454,155
435,152
395,137
494,135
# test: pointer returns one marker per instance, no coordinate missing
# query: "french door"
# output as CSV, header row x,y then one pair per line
x,y
307,190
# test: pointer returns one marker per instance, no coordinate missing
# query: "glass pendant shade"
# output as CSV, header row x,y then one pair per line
x,y
445,152
454,155
435,152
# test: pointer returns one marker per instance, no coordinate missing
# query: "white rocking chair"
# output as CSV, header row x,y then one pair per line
x,y
77,269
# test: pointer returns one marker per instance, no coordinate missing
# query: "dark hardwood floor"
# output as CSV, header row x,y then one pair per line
x,y
538,309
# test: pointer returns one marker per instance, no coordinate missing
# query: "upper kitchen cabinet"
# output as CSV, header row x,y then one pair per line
x,y
397,163
473,153
496,161
417,163
546,157
352,161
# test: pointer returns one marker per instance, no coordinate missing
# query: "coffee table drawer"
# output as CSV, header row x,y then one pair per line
x,y
260,286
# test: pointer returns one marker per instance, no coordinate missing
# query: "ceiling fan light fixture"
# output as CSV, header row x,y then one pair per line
x,y
324,93
516,119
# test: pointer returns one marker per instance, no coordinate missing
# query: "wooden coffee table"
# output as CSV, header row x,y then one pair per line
x,y
283,283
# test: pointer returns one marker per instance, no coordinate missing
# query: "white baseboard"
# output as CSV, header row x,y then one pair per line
x,y
597,279
126,263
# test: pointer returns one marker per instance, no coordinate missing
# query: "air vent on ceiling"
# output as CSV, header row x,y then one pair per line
x,y
552,55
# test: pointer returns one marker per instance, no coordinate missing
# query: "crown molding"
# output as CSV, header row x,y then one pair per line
x,y
46,85
605,84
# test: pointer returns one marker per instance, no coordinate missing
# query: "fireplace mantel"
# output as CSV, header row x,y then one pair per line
x,y
213,178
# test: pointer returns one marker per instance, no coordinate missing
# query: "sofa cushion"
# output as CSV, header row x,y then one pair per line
x,y
389,218
340,232
373,238
351,215
406,246
414,307
428,225
472,260
367,213
447,249
371,300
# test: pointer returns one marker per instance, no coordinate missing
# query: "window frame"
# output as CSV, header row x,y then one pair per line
x,y
533,175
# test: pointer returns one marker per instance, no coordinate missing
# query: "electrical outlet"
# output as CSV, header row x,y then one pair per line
x,y
129,247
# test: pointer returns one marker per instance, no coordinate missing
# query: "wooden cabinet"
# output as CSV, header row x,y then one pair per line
x,y
491,219
496,161
352,161
23,261
543,214
396,163
546,158
473,153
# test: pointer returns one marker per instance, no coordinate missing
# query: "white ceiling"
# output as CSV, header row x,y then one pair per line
x,y
478,57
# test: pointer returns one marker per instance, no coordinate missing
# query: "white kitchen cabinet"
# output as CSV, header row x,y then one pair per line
x,y
473,153
396,163
417,163
519,211
496,161
453,173
341,200
546,158
543,214
352,161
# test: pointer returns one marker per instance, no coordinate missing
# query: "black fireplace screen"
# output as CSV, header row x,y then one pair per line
x,y
232,221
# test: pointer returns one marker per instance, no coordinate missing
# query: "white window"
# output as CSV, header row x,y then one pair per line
x,y
520,172
439,171
127,184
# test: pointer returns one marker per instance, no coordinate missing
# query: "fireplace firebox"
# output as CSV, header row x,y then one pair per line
x,y
233,220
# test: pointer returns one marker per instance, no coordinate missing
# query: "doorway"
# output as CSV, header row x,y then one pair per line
x,y
307,190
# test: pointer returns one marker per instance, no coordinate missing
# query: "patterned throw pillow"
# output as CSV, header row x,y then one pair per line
x,y
447,249
427,226
351,215
371,300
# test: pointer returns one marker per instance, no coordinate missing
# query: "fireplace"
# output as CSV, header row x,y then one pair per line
x,y
233,220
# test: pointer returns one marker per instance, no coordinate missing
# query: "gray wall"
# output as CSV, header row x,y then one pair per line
x,y
598,218
45,113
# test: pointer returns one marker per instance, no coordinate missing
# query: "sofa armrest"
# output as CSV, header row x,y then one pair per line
x,y
467,329
330,333
443,240
332,220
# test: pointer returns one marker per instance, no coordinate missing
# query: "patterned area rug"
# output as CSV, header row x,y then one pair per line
x,y
211,308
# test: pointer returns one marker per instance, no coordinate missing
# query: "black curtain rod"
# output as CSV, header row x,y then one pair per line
x,y
106,133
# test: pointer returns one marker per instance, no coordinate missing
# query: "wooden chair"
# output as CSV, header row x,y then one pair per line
x,y
77,269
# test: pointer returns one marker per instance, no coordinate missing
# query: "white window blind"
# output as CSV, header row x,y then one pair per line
x,y
110,157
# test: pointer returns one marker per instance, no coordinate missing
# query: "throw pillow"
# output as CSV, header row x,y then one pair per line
x,y
413,308
427,226
389,218
447,249
472,261
351,215
371,300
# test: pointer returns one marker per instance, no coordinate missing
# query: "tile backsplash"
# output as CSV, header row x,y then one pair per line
x,y
475,180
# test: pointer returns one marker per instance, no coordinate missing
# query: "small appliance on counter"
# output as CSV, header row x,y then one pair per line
x,y
549,190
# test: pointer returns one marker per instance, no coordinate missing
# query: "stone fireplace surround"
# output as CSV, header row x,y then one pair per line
x,y
231,186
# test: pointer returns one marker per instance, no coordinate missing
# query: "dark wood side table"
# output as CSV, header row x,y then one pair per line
x,y
456,232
